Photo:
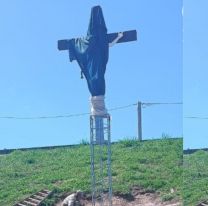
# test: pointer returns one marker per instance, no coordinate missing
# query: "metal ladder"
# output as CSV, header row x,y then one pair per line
x,y
100,147
35,199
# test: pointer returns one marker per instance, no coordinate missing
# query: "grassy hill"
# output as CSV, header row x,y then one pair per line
x,y
154,165
195,178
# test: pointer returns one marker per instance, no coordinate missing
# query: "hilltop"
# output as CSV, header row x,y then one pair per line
x,y
154,166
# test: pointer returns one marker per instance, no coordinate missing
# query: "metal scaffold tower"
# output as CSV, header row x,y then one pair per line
x,y
100,146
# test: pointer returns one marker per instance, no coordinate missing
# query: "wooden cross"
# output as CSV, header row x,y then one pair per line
x,y
127,36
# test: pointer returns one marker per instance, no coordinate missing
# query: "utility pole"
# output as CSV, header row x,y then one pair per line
x,y
139,113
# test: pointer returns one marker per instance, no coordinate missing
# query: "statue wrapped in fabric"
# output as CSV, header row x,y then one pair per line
x,y
91,53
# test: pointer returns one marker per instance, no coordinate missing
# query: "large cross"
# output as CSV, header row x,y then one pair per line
x,y
127,36
93,49
91,53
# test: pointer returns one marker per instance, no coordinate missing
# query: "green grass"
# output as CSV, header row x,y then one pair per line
x,y
154,165
195,178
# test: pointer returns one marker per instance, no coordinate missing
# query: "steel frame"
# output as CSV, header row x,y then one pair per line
x,y
101,178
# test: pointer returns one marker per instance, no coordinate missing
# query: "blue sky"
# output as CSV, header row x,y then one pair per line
x,y
195,73
38,80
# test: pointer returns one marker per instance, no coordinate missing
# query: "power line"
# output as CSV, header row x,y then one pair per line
x,y
62,116
148,104
84,114
157,103
202,118
122,107
45,117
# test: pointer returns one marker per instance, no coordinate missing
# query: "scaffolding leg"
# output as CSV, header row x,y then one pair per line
x,y
99,132
100,147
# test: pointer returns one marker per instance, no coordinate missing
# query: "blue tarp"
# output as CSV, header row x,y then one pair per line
x,y
91,52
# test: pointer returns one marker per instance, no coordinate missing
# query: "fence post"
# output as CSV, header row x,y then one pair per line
x,y
139,113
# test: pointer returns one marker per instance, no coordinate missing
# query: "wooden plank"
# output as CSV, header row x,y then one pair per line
x,y
48,191
203,204
130,35
34,200
43,194
38,197
30,203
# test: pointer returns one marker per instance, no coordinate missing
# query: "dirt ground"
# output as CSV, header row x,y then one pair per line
x,y
138,198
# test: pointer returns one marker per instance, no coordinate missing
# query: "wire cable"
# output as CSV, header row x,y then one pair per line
x,y
62,116
86,113
192,117
147,104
